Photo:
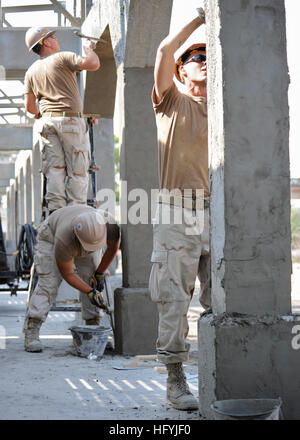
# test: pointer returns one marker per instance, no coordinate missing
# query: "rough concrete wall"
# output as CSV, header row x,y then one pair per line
x,y
216,153
146,29
113,13
250,157
251,358
265,363
139,170
103,133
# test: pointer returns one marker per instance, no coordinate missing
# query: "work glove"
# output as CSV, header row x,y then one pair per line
x,y
97,299
201,14
100,281
97,281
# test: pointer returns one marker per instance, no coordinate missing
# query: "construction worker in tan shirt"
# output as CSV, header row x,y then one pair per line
x,y
181,118
71,236
51,93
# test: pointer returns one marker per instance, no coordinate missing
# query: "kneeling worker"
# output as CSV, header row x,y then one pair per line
x,y
71,235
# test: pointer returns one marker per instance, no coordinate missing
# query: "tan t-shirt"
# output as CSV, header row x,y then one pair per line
x,y
53,81
66,244
182,141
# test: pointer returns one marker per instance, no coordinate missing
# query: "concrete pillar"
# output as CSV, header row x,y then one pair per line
x,y
8,214
36,179
245,345
105,161
21,200
135,314
11,225
14,202
28,191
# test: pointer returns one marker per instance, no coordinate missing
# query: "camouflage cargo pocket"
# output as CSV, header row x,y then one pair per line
x,y
159,282
80,160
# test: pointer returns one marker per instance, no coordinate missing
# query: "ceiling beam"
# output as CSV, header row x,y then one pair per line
x,y
67,14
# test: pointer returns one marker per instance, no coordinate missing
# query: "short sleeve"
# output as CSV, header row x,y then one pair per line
x,y
166,101
27,84
72,60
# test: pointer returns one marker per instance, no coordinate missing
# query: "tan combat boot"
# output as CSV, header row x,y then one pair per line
x,y
178,392
32,333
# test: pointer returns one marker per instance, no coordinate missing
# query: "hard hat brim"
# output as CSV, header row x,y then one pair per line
x,y
48,34
178,62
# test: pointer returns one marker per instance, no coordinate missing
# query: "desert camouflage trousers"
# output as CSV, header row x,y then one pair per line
x,y
65,147
49,278
180,253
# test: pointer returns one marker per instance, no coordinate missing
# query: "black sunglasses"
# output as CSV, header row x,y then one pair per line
x,y
198,58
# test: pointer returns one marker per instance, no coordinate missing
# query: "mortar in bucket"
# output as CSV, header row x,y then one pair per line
x,y
247,409
90,339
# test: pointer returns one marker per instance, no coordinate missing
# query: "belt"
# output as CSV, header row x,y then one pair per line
x,y
184,202
63,114
70,115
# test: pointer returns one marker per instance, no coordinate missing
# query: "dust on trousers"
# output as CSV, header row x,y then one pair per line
x,y
65,147
49,278
177,253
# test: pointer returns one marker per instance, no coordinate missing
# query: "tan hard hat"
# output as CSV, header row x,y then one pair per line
x,y
35,35
90,229
184,56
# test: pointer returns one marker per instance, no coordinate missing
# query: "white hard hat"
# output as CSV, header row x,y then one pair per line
x,y
90,229
35,35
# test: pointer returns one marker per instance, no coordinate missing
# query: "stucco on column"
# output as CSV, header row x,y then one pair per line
x,y
248,130
245,344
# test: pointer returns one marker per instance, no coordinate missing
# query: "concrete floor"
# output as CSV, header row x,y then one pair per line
x,y
56,385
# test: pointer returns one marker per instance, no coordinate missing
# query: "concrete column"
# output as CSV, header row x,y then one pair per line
x,y
11,226
245,345
36,179
135,314
28,191
104,155
21,200
8,214
11,223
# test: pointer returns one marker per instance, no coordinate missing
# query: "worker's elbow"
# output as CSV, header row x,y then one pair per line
x,y
97,65
30,108
165,48
91,65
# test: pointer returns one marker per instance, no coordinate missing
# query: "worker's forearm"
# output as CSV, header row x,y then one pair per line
x,y
173,41
76,282
32,108
108,257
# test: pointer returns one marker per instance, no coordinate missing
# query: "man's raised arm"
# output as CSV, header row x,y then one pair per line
x,y
164,63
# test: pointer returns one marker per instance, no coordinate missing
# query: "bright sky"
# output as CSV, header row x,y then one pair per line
x,y
186,10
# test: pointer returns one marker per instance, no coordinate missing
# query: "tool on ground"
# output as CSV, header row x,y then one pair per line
x,y
79,34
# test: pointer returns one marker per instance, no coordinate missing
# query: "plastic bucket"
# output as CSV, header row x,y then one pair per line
x,y
247,409
89,339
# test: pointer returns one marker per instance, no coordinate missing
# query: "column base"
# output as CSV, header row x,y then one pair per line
x,y
136,321
243,357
